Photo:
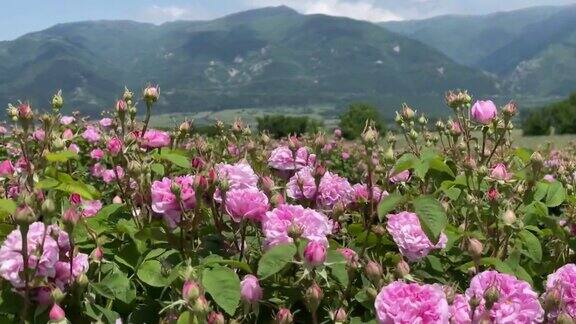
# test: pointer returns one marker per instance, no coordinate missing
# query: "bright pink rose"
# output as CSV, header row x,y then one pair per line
x,y
165,201
409,237
114,146
67,120
334,189
302,185
315,253
499,172
563,283
399,177
155,139
91,134
249,203
250,290
410,303
97,154
277,223
516,302
484,112
6,168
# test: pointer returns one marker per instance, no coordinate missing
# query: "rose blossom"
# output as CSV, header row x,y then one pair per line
x,y
97,170
484,112
408,235
6,168
74,148
333,189
67,134
277,223
250,290
403,176
563,283
155,139
301,185
39,134
105,122
55,245
350,255
165,202
114,146
67,120
112,174
361,193
516,302
238,176
499,172
460,310
282,158
91,208
97,154
249,203
408,303
91,134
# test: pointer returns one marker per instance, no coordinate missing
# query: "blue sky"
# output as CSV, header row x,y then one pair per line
x,y
18,17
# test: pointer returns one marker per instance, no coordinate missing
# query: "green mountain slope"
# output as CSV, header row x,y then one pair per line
x,y
260,58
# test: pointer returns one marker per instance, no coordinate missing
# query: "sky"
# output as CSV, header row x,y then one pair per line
x,y
18,17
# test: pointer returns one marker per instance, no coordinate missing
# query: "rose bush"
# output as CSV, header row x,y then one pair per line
x,y
113,221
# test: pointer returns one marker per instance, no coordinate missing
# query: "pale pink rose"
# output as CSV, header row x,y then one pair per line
x,y
155,139
74,148
67,120
399,177
499,172
91,208
91,134
97,154
105,122
410,238
277,223
112,174
302,185
67,134
165,201
250,290
39,134
97,170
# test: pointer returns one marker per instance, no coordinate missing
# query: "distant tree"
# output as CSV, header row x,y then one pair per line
x,y
279,126
353,120
560,115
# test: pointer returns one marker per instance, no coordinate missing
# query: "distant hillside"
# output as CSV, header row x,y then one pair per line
x,y
559,117
260,58
532,51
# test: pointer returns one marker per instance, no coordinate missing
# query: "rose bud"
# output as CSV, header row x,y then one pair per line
x,y
121,106
191,290
340,315
484,112
402,268
509,217
315,253
250,290
373,271
475,248
57,100
284,316
151,93
216,318
57,314
313,297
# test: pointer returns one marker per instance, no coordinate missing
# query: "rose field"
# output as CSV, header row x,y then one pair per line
x,y
108,220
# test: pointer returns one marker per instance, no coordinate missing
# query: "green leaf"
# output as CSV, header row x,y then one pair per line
x,y
7,207
185,318
175,157
556,194
61,156
232,263
275,259
438,164
532,245
65,183
405,162
523,153
337,264
157,168
151,272
432,216
224,286
387,204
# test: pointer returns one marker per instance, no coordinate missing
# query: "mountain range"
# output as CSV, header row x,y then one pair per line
x,y
275,56
531,51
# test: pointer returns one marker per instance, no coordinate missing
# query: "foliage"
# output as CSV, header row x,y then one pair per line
x,y
279,126
354,118
146,226
560,116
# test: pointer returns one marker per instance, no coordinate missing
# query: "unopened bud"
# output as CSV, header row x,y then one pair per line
x,y
48,206
117,200
552,300
475,248
402,269
564,318
536,159
200,306
284,316
24,215
340,315
407,112
389,155
57,295
373,271
191,290
509,217
57,100
491,296
313,297
510,109
295,231
151,93
97,254
57,314
175,189
422,120
215,318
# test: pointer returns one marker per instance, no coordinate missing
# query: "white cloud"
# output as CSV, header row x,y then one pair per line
x,y
362,10
161,14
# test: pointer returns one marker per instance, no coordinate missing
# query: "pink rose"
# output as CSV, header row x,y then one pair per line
x,y
165,201
114,146
410,238
91,134
97,154
250,290
155,139
499,172
105,122
249,203
315,253
67,120
277,223
6,168
484,112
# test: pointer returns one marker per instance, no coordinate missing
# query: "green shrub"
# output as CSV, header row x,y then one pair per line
x,y
353,120
560,115
279,126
